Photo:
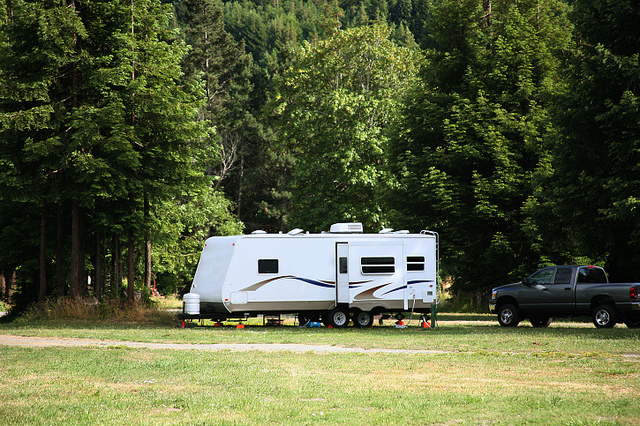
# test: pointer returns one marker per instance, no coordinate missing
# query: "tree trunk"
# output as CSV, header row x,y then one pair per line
x,y
42,292
77,264
147,243
98,286
240,184
59,248
117,268
2,285
9,285
131,269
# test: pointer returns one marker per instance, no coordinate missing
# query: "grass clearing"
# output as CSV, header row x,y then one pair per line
x,y
570,373
85,386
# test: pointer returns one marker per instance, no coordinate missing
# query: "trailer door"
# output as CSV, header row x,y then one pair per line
x,y
342,273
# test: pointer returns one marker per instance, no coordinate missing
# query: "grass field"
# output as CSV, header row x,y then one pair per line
x,y
570,373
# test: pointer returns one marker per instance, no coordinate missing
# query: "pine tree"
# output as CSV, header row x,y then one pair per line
x,y
474,134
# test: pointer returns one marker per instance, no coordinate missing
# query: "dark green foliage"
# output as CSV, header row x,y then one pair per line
x,y
597,163
96,116
519,145
474,135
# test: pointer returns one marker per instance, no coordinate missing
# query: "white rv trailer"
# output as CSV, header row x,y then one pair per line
x,y
331,276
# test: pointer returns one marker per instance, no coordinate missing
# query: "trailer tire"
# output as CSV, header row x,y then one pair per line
x,y
338,318
304,319
509,315
362,319
604,316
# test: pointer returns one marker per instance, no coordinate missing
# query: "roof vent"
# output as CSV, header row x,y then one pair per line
x,y
346,228
295,231
259,231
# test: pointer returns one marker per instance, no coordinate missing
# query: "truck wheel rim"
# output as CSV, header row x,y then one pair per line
x,y
506,316
602,317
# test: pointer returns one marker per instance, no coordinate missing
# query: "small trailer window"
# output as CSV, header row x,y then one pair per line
x,y
415,263
267,266
378,265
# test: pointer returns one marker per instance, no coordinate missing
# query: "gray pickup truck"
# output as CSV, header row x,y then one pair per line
x,y
567,291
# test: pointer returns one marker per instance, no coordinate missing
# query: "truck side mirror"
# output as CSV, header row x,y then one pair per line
x,y
526,281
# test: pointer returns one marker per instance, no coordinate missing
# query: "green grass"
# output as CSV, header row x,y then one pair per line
x,y
131,386
570,373
456,332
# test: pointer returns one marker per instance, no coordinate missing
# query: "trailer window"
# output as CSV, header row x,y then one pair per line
x,y
415,263
378,265
267,266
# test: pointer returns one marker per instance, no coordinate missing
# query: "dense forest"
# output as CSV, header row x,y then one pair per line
x,y
131,130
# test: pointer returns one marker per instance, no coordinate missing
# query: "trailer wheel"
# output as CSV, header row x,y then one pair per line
x,y
338,318
304,319
362,319
604,316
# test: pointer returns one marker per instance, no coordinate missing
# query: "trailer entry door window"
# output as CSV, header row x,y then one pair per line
x,y
267,266
415,263
378,265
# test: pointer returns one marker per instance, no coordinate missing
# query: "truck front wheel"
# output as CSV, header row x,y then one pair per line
x,y
509,315
604,316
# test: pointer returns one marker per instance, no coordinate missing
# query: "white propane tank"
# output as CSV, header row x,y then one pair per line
x,y
191,303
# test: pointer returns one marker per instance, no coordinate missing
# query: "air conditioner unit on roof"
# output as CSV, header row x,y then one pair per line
x,y
346,228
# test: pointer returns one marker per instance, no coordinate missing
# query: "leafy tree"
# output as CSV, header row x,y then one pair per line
x,y
473,134
596,176
335,106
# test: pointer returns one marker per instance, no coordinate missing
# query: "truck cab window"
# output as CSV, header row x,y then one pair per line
x,y
591,275
542,277
563,276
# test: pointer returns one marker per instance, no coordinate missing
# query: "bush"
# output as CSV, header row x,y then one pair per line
x,y
91,309
465,303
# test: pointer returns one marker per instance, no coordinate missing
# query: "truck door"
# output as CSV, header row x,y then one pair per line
x,y
342,273
561,292
534,297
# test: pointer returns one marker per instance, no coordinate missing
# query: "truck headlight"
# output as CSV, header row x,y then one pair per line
x,y
494,293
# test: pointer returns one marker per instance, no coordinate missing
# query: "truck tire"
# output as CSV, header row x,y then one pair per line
x,y
632,322
509,315
604,316
338,318
362,319
540,322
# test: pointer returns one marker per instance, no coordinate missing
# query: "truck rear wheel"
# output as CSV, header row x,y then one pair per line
x,y
539,322
604,316
338,318
509,315
632,322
